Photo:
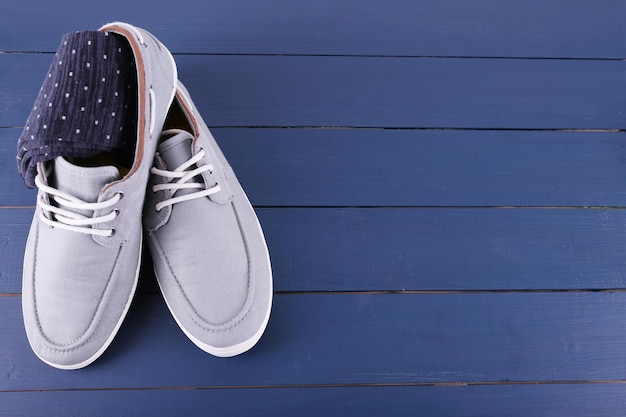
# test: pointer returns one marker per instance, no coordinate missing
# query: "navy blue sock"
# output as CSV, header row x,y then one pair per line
x,y
86,105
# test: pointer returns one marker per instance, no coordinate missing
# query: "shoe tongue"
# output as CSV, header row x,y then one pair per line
x,y
176,150
82,182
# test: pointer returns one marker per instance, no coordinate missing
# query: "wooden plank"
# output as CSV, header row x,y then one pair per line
x,y
13,233
582,400
360,167
372,339
535,28
309,167
375,92
14,191
414,249
454,249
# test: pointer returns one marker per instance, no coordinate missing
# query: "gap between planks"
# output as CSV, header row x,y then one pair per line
x,y
394,56
422,128
419,292
264,207
318,386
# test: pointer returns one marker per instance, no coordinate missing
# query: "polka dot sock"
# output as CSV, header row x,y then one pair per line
x,y
87,104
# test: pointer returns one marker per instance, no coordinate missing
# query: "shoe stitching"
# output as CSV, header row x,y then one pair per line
x,y
247,305
251,286
144,60
128,33
251,283
93,330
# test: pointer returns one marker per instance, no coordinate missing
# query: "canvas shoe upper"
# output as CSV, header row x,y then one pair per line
x,y
83,251
208,249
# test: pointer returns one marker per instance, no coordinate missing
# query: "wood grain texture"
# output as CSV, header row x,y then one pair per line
x,y
372,339
414,249
312,167
375,92
535,28
588,400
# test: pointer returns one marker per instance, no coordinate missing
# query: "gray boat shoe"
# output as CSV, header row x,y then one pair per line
x,y
208,249
83,252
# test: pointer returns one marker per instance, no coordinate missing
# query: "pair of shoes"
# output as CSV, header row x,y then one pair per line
x,y
82,257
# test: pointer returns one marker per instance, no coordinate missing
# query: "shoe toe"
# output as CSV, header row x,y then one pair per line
x,y
212,286
73,306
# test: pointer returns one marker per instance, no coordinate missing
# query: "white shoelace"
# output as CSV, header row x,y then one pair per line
x,y
70,220
178,180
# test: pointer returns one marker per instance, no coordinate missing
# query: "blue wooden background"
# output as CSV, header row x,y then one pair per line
x,y
442,184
